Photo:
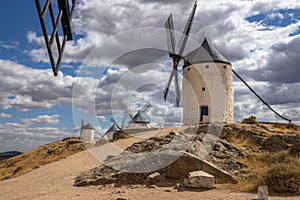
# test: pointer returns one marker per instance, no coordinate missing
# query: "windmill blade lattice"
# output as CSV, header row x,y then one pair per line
x,y
178,95
166,91
115,123
187,29
177,57
145,108
124,107
169,25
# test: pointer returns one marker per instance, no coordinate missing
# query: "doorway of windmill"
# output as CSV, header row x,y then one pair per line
x,y
203,112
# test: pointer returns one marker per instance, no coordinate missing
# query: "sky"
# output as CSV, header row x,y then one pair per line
x,y
119,52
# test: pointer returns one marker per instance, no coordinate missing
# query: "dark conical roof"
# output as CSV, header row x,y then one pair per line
x,y
113,128
204,54
88,126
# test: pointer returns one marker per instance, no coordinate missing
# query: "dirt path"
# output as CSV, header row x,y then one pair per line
x,y
55,181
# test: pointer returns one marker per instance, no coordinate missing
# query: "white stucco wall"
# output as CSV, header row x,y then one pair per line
x,y
87,134
216,79
138,125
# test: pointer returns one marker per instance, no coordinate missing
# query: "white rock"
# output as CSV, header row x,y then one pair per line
x,y
262,192
199,179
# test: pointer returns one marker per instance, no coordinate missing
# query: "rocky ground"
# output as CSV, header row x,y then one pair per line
x,y
231,154
242,151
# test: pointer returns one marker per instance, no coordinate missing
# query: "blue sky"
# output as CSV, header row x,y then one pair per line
x,y
260,38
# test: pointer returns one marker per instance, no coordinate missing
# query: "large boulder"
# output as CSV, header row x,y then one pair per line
x,y
188,163
199,179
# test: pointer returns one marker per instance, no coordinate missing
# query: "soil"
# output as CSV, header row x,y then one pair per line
x,y
55,180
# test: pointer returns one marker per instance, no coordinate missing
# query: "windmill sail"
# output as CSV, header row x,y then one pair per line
x,y
187,29
145,108
64,16
177,57
169,25
124,107
115,123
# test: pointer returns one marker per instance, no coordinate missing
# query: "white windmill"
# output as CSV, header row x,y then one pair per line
x,y
199,87
204,71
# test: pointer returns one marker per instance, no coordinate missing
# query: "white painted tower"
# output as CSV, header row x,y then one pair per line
x,y
87,132
207,87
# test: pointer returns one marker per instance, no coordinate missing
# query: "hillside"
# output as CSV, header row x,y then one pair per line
x,y
250,154
42,155
246,151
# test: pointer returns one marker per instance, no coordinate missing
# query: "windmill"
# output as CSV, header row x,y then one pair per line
x,y
169,25
198,104
138,120
115,128
87,132
64,17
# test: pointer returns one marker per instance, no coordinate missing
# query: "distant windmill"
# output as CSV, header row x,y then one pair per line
x,y
115,125
138,120
171,48
111,132
87,132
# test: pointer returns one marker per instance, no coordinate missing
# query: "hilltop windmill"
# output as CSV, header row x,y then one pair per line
x,y
87,132
200,89
138,121
115,128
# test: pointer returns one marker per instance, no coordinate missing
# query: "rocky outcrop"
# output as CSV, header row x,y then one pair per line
x,y
159,160
168,160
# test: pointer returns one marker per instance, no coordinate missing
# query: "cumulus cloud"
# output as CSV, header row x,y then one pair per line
x,y
258,51
38,88
282,65
19,136
265,55
42,119
4,116
102,118
10,44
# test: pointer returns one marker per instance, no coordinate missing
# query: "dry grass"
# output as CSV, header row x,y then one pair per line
x,y
30,160
260,165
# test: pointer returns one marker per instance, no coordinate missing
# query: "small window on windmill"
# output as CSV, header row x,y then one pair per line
x,y
225,67
207,66
203,89
59,14
189,69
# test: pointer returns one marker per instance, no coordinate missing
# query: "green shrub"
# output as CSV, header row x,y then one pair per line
x,y
283,178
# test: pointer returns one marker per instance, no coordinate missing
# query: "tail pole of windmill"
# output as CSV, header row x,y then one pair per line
x,y
261,99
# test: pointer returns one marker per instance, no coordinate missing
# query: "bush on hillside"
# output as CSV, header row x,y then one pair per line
x,y
250,120
283,178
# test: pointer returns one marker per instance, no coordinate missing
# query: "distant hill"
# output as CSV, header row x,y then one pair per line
x,y
9,154
25,162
